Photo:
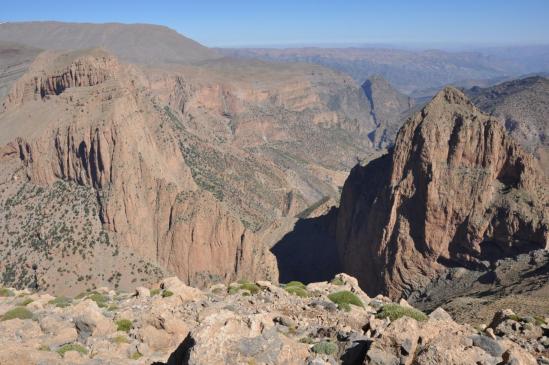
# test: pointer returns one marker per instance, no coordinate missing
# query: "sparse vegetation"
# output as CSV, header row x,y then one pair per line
x,y
61,302
297,290
344,299
120,339
17,312
5,292
124,325
72,347
154,292
324,347
25,302
167,293
395,311
136,356
98,298
337,281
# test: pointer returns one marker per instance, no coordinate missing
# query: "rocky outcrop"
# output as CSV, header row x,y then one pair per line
x,y
523,105
103,131
454,191
254,323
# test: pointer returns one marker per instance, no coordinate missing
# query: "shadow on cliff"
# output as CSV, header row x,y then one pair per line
x,y
308,253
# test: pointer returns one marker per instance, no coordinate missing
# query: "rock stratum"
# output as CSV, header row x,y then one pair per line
x,y
456,190
254,323
115,173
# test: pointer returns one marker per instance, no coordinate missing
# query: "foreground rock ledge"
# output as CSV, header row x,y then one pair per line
x,y
253,323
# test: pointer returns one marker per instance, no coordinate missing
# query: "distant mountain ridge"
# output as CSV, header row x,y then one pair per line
x,y
136,43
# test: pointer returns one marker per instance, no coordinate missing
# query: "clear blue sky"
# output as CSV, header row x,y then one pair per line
x,y
241,22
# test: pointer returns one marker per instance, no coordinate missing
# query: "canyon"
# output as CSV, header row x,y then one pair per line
x,y
251,189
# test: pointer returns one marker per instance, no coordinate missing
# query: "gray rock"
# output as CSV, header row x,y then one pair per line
x,y
488,344
380,357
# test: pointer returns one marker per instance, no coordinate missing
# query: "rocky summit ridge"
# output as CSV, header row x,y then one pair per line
x,y
456,190
253,323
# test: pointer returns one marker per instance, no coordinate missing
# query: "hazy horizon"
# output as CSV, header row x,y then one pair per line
x,y
396,23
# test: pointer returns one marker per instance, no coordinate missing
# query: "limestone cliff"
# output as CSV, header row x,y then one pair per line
x,y
456,190
83,117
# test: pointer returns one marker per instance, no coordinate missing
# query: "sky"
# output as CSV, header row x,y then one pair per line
x,y
307,22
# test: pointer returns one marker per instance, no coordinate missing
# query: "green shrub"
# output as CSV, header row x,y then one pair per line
x,y
61,302
154,292
344,299
136,356
539,321
167,293
98,298
296,290
295,284
5,292
112,308
251,287
233,289
72,347
324,347
26,301
337,281
395,311
17,312
124,325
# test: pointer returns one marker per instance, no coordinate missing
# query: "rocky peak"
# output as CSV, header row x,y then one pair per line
x,y
456,190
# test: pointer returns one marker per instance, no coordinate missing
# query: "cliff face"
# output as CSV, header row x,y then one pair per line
x,y
523,105
84,118
389,108
454,191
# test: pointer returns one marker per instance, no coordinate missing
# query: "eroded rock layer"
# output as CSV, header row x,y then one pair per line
x,y
454,191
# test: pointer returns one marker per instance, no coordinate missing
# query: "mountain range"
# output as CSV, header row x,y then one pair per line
x,y
129,154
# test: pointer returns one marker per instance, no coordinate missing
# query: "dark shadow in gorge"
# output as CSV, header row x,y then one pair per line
x,y
308,253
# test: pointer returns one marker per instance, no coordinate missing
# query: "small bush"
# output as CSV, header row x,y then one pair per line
x,y
124,325
61,302
344,299
154,292
17,312
337,281
167,293
26,301
324,347
233,289
296,290
295,284
136,356
98,298
5,292
539,321
251,287
72,347
395,311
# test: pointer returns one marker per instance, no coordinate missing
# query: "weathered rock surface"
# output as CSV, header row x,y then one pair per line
x,y
523,105
454,191
184,170
263,324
